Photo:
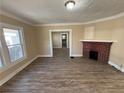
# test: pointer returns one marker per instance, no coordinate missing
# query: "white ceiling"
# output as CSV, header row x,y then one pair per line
x,y
54,11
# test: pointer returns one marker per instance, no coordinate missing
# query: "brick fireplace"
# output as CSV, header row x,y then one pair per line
x,y
97,50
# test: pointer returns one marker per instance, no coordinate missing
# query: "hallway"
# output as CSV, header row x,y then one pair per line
x,y
62,74
61,52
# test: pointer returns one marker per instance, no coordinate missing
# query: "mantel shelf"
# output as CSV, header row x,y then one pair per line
x,y
107,41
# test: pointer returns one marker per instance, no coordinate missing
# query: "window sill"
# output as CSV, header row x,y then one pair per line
x,y
18,60
4,68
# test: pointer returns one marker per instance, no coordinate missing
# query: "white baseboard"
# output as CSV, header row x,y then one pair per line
x,y
76,55
80,55
16,71
45,56
122,70
73,55
118,67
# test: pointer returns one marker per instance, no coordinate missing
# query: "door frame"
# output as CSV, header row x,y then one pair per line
x,y
61,30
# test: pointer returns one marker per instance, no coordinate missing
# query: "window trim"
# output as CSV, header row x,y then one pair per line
x,y
22,41
2,57
2,51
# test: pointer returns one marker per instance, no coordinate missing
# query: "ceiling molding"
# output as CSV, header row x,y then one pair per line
x,y
85,23
106,19
63,24
59,24
15,17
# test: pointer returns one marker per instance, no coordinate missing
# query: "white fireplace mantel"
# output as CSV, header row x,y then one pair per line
x,y
107,41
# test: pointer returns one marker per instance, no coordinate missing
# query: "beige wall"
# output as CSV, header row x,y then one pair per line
x,y
31,44
112,30
44,39
56,39
89,32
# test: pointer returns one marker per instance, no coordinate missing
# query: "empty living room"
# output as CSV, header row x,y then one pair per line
x,y
61,46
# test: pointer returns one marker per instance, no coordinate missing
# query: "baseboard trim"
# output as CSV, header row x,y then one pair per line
x,y
76,56
45,56
17,71
52,56
118,67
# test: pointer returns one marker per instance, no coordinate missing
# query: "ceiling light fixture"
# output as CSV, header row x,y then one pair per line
x,y
70,4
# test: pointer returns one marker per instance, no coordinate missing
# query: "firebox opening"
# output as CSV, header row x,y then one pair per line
x,y
93,55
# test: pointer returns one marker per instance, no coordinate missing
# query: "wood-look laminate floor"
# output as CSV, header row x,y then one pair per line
x,y
62,74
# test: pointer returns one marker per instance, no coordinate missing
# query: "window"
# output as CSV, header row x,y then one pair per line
x,y
14,42
1,56
1,63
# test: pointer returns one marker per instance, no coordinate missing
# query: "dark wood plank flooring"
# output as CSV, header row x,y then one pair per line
x,y
62,74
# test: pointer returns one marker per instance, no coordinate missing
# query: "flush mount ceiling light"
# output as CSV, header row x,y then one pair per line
x,y
70,4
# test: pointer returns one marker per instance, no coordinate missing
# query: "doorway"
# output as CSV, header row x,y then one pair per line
x,y
60,44
65,41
